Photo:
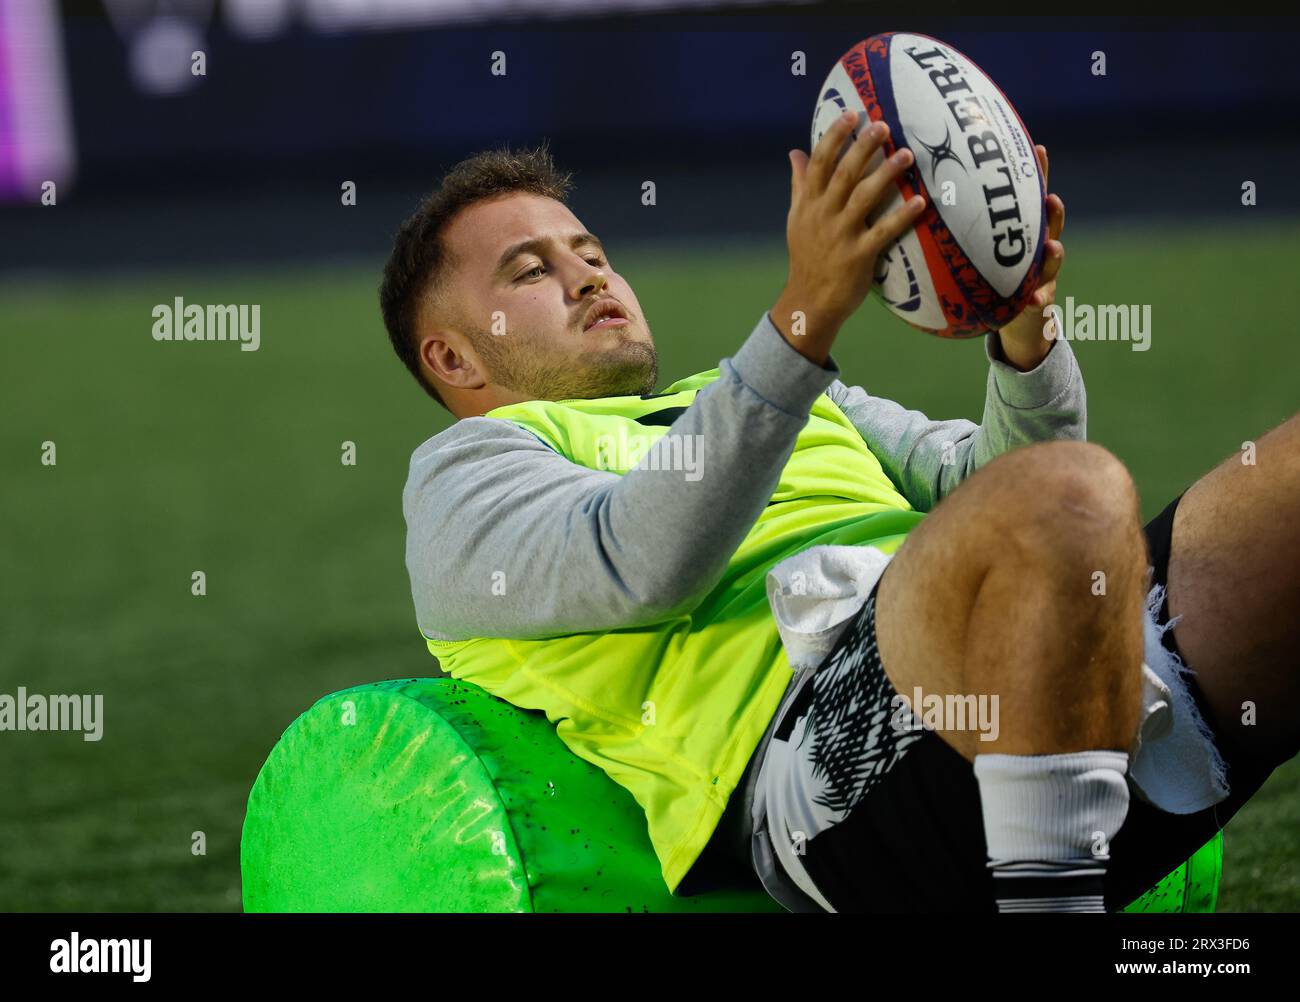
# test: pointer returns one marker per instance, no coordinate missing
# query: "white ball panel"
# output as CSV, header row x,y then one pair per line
x,y
973,155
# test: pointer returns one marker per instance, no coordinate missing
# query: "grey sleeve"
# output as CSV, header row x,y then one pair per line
x,y
927,459
507,538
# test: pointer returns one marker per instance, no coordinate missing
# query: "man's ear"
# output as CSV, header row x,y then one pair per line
x,y
448,357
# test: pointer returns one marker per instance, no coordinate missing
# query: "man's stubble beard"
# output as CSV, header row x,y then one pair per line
x,y
629,368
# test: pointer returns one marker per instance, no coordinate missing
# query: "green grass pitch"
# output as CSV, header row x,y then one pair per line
x,y
173,458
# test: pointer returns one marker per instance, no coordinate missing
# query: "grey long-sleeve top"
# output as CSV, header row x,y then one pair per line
x,y
507,538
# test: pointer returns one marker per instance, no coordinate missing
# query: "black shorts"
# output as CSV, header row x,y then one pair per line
x,y
913,835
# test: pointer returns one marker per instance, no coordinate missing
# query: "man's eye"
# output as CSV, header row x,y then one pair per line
x,y
597,261
536,267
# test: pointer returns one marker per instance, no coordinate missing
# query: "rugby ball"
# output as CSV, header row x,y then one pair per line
x,y
973,259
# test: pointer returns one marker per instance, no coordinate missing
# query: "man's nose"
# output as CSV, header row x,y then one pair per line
x,y
594,281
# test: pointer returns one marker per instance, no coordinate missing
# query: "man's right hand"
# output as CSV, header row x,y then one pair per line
x,y
832,249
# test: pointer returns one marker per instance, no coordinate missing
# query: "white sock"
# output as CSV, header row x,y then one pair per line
x,y
1049,821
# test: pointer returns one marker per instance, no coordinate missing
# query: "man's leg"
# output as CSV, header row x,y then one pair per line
x,y
1028,584
1234,578
1232,567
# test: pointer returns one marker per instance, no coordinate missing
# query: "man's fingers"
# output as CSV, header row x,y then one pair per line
x,y
850,168
868,191
798,167
822,162
1052,261
1055,207
1055,217
894,224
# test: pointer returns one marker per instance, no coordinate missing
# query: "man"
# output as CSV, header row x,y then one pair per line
x,y
580,544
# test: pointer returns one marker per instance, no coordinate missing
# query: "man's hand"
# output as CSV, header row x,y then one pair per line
x,y
1024,341
832,249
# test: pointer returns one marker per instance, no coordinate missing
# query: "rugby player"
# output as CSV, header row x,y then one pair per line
x,y
633,602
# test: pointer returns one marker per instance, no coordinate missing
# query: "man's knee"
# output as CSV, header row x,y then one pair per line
x,y
1069,503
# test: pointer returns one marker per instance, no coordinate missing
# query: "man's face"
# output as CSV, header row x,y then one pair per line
x,y
525,277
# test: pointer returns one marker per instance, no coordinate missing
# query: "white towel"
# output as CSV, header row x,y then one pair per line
x,y
1179,769
1173,763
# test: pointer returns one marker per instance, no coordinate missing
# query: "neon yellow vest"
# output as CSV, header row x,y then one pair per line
x,y
673,711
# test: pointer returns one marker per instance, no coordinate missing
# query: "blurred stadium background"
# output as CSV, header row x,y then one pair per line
x,y
226,188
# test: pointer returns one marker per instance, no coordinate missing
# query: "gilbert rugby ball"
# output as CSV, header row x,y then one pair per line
x,y
973,259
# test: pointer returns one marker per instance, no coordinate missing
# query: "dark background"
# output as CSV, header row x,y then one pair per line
x,y
699,102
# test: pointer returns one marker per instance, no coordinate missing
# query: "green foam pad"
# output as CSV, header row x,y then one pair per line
x,y
432,795
1193,887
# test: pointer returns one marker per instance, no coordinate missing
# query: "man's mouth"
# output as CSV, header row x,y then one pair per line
x,y
604,314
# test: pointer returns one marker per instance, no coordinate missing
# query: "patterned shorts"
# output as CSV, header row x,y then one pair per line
x,y
833,744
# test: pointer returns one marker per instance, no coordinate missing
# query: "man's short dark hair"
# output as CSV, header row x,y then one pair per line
x,y
419,262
